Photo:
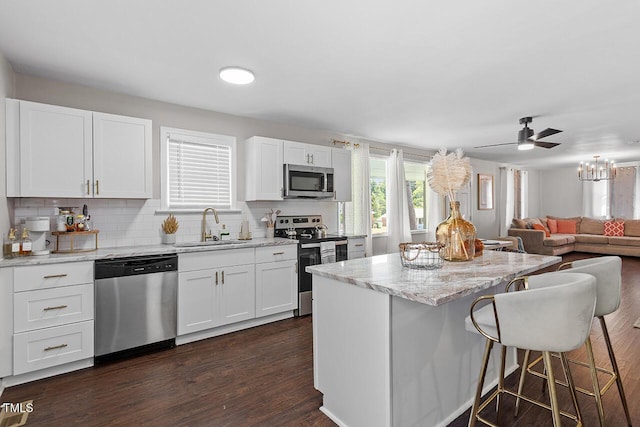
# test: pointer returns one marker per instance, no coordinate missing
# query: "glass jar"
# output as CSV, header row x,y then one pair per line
x,y
457,235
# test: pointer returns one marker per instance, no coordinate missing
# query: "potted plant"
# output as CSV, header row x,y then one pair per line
x,y
169,229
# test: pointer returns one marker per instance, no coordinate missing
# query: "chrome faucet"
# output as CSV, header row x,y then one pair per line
x,y
204,234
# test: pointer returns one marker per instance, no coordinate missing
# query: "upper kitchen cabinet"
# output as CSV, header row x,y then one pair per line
x,y
125,142
263,168
341,164
55,151
298,153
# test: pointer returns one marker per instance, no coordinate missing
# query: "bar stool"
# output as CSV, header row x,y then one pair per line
x,y
608,273
553,315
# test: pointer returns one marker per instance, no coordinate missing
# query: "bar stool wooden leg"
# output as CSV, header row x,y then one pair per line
x,y
523,373
614,364
594,381
483,371
553,395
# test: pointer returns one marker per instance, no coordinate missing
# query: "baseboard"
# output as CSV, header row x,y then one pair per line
x,y
46,373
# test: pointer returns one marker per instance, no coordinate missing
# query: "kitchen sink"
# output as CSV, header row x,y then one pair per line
x,y
209,243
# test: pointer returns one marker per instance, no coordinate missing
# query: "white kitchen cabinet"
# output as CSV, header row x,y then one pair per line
x,y
6,322
341,164
121,157
52,315
298,153
355,247
264,172
55,151
276,280
211,297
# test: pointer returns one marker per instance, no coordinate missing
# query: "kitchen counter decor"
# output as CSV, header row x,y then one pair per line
x,y
423,255
270,219
169,229
72,249
449,173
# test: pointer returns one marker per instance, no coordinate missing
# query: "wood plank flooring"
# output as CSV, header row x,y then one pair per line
x,y
264,377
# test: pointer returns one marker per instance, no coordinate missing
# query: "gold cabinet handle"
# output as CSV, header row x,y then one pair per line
x,y
278,253
88,187
54,276
216,277
55,347
223,277
357,245
97,187
57,307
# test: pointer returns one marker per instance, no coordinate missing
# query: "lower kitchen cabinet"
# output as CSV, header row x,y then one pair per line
x,y
211,297
355,247
276,287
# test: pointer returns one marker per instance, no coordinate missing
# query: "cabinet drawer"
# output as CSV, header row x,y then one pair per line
x,y
52,276
52,346
52,307
276,253
215,259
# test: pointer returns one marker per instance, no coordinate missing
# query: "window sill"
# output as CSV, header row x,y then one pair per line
x,y
196,211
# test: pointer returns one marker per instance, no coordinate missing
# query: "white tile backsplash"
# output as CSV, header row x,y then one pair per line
x,y
135,222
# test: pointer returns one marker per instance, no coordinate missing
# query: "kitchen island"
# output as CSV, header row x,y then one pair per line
x,y
390,345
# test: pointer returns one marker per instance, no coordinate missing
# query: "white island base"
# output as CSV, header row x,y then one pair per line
x,y
382,360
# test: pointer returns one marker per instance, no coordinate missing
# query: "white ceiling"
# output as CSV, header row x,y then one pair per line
x,y
420,73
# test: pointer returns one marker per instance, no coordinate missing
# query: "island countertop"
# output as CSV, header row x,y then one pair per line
x,y
385,273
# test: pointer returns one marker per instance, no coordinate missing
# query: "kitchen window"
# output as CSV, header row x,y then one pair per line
x,y
378,186
198,169
416,177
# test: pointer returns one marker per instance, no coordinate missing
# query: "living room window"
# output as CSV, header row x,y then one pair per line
x,y
197,169
378,186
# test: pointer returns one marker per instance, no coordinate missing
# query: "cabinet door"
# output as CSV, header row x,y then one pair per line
x,y
6,319
341,163
295,153
237,294
55,151
264,169
319,156
197,300
276,287
122,156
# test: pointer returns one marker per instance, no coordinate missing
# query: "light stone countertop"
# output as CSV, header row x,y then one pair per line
x,y
128,251
385,273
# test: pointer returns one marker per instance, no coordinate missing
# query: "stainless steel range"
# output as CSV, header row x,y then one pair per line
x,y
314,247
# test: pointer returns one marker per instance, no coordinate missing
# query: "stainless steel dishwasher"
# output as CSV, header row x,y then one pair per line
x,y
136,304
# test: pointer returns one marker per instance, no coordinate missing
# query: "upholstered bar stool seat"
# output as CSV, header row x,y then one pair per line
x,y
556,316
608,273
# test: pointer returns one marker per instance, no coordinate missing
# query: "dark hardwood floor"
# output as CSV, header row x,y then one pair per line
x,y
264,377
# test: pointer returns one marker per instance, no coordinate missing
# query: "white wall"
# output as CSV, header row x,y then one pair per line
x,y
486,221
560,193
6,91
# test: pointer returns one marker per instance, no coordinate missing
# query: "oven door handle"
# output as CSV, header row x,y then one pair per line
x,y
309,245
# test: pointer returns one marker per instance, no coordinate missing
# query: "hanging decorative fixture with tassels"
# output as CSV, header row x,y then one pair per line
x,y
597,172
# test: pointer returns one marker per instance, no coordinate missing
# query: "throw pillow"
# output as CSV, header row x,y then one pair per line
x,y
539,227
614,228
543,221
566,227
553,225
520,223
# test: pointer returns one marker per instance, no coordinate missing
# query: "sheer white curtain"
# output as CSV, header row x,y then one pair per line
x,y
398,227
595,199
436,213
506,200
358,210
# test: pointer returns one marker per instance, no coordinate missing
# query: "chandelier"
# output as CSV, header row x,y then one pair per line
x,y
596,171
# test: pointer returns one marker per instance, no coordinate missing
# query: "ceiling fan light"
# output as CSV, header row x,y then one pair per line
x,y
525,146
237,75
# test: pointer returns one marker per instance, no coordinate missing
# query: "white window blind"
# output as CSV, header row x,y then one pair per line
x,y
198,170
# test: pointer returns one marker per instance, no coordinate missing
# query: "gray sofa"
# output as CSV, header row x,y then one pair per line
x,y
589,237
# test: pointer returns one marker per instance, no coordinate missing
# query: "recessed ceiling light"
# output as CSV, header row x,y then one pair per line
x,y
237,75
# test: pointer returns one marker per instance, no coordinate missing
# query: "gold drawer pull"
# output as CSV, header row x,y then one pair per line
x,y
55,276
358,244
56,347
57,307
278,253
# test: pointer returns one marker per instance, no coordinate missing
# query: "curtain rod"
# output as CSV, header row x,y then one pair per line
x,y
387,150
345,143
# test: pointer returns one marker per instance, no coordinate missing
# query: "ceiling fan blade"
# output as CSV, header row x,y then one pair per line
x,y
545,133
545,144
496,145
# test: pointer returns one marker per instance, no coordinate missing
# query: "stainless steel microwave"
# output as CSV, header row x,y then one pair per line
x,y
307,181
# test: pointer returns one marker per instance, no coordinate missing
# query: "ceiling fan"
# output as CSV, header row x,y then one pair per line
x,y
527,140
